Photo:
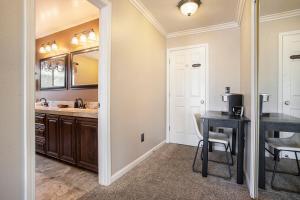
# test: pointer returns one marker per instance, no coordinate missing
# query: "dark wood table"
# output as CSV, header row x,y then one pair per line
x,y
275,122
217,119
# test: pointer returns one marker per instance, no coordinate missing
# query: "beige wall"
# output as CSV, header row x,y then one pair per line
x,y
138,85
224,60
246,79
12,95
268,58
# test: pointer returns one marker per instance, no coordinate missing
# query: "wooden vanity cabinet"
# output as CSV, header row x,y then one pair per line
x,y
67,145
40,133
70,139
87,143
52,136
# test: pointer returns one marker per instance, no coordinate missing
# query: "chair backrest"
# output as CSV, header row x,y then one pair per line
x,y
197,125
295,137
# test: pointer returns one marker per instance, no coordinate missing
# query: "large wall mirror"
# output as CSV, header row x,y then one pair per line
x,y
84,68
53,72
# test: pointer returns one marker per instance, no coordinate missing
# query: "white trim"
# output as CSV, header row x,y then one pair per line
x,y
61,28
254,136
217,27
29,90
280,68
104,143
281,15
169,50
148,15
28,101
133,164
240,11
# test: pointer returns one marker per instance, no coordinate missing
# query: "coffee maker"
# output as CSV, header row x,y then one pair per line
x,y
234,103
263,98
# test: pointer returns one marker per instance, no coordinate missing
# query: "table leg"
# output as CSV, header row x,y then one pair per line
x,y
205,147
233,142
240,155
262,161
276,135
210,144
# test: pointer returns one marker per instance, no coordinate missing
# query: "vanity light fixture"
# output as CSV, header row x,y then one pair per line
x,y
188,7
42,49
49,47
92,35
75,40
54,46
83,38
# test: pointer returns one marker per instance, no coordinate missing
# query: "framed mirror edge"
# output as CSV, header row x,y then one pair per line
x,y
78,87
65,87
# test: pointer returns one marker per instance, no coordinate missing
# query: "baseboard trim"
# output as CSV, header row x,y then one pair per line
x,y
133,164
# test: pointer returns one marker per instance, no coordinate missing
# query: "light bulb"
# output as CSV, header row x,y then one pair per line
x,y
92,35
189,8
83,38
48,48
74,40
54,46
42,49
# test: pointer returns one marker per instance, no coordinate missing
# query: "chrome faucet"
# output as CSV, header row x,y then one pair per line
x,y
44,103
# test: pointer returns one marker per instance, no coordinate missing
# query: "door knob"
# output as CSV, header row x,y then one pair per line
x,y
202,101
287,103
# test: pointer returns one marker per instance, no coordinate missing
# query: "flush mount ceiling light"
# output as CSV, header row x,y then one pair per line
x,y
189,7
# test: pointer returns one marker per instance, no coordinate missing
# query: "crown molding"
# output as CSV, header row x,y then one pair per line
x,y
240,11
282,15
147,14
217,27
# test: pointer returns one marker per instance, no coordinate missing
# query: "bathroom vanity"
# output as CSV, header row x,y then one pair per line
x,y
69,135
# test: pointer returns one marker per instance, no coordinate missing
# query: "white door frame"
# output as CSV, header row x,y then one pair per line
x,y
104,150
280,68
169,51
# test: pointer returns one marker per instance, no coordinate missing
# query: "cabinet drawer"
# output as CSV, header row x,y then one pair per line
x,y
40,145
40,131
40,118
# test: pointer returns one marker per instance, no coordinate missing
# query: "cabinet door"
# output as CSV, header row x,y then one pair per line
x,y
67,139
52,135
87,143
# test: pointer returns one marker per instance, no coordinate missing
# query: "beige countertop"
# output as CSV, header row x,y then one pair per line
x,y
74,112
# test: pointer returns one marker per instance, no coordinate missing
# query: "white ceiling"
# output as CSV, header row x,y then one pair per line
x,y
56,15
211,12
277,6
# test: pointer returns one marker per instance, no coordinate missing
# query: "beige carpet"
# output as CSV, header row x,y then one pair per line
x,y
166,175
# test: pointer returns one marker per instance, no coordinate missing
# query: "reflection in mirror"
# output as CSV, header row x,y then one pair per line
x,y
53,72
84,72
279,86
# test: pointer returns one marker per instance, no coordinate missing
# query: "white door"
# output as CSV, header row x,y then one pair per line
x,y
290,79
187,92
291,75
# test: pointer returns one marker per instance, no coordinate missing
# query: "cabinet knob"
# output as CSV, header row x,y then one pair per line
x,y
287,103
202,101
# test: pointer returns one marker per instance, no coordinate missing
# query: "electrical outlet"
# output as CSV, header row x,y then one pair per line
x,y
142,137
